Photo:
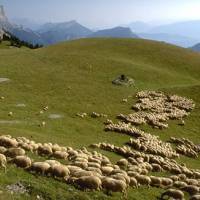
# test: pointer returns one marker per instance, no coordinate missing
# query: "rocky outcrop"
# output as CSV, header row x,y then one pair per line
x,y
2,14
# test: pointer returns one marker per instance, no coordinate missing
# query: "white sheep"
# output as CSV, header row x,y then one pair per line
x,y
22,161
3,161
89,182
173,193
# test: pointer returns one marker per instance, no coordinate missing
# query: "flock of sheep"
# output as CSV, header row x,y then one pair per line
x,y
143,155
93,171
156,108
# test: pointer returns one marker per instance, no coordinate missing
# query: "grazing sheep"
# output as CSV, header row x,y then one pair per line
x,y
143,180
132,173
191,189
73,169
156,168
174,178
2,150
192,182
122,163
45,108
13,152
44,150
81,173
52,162
196,175
60,155
106,170
43,124
166,182
40,167
182,177
22,161
3,161
156,181
195,197
8,142
89,182
122,177
60,171
83,165
175,194
10,114
112,185
179,184
93,169
133,182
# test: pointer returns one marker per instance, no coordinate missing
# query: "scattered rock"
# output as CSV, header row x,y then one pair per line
x,y
17,188
4,80
10,122
55,116
20,105
123,80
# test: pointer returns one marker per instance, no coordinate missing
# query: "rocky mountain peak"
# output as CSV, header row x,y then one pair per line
x,y
2,14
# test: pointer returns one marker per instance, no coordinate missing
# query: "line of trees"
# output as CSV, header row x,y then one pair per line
x,y
16,42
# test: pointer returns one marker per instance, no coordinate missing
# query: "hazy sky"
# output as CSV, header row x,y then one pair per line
x,y
102,13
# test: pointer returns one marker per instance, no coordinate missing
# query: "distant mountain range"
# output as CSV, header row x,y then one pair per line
x,y
184,34
178,40
52,33
196,47
21,33
117,32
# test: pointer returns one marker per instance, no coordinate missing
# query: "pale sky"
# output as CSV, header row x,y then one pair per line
x,y
103,13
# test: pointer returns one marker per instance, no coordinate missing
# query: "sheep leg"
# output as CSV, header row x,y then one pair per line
x,y
125,196
5,169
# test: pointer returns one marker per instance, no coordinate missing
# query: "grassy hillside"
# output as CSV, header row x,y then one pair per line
x,y
77,76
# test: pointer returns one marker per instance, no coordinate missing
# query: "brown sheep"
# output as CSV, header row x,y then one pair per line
x,y
22,161
175,194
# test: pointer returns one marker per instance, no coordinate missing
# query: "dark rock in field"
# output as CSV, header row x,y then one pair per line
x,y
123,80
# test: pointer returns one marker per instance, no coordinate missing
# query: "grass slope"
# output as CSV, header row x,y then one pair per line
x,y
76,77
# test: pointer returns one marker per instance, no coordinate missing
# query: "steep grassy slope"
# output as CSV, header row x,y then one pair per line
x,y
76,77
